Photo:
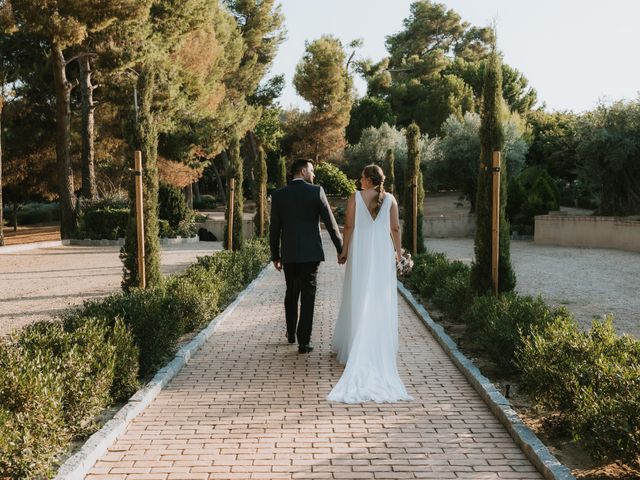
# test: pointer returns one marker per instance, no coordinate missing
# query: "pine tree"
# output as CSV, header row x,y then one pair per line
x,y
491,139
390,161
413,170
234,170
261,181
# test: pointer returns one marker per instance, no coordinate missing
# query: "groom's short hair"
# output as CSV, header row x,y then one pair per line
x,y
298,164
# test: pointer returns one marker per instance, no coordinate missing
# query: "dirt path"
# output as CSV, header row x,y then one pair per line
x,y
589,282
38,284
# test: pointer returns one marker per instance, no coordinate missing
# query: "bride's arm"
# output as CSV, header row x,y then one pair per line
x,y
395,228
349,221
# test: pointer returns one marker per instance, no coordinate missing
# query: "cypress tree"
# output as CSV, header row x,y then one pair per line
x,y
261,180
146,133
413,169
282,172
234,170
390,163
491,139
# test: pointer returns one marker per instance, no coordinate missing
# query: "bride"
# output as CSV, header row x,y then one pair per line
x,y
366,333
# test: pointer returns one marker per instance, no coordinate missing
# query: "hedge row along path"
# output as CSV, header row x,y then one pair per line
x,y
249,406
38,284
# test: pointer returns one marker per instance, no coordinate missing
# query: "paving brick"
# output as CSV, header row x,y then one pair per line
x,y
249,406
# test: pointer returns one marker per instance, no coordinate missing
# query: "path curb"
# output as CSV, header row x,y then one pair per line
x,y
534,449
33,246
78,466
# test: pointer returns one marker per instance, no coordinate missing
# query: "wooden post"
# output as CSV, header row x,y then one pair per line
x,y
414,192
232,188
495,220
142,280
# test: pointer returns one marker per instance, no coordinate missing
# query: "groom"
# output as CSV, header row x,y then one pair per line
x,y
296,246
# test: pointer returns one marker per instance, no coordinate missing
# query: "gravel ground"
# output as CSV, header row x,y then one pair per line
x,y
589,282
38,284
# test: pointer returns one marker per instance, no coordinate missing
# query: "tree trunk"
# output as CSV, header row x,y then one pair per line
x,y
196,189
188,195
1,204
63,143
89,189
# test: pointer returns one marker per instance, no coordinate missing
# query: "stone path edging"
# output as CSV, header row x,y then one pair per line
x,y
33,246
77,466
87,242
547,464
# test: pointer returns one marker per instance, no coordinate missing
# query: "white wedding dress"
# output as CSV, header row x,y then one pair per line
x,y
366,333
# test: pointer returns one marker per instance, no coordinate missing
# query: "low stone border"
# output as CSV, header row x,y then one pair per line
x,y
534,449
77,466
32,246
87,242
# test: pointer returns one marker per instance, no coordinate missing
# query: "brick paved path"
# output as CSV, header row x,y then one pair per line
x,y
249,406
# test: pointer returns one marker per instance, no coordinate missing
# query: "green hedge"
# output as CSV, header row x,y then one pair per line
x,y
56,376
592,379
333,180
32,213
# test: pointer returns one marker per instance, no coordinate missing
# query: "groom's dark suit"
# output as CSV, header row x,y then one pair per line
x,y
295,241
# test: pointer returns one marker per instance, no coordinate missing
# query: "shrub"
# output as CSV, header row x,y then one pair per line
x,y
32,428
501,323
205,202
454,295
86,368
429,271
31,213
592,379
174,209
334,181
103,220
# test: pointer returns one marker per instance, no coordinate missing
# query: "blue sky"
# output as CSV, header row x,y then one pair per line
x,y
573,52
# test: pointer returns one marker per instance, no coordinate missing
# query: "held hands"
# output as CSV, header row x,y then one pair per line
x,y
278,265
342,257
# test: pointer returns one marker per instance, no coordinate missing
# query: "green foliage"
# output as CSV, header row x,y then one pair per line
x,y
532,193
205,202
322,79
502,323
413,171
592,379
261,184
491,139
32,213
334,181
390,167
103,219
234,170
608,141
368,112
282,172
176,212
32,427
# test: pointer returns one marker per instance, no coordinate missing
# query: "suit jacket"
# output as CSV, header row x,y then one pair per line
x,y
294,233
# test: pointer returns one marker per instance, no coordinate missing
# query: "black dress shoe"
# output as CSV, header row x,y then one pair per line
x,y
291,337
305,348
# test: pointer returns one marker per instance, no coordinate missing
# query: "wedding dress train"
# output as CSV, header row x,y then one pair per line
x,y
366,332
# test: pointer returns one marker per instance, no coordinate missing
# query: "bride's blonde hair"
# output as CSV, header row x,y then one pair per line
x,y
374,173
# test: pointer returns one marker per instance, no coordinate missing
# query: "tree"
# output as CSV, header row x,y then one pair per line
x,y
608,140
63,25
491,139
322,78
368,112
282,172
6,25
261,181
458,151
390,161
413,172
234,170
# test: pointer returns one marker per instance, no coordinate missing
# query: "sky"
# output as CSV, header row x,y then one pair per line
x,y
573,52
